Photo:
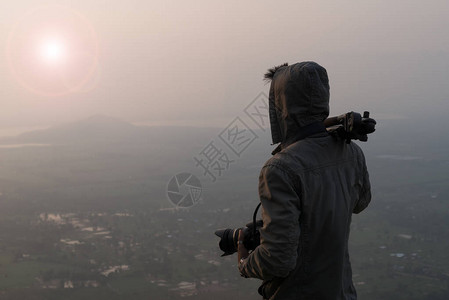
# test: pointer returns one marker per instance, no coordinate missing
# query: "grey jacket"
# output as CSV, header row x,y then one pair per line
x,y
308,190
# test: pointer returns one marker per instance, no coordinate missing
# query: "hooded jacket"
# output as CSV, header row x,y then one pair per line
x,y
308,190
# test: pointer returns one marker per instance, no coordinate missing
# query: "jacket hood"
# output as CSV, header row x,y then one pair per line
x,y
299,96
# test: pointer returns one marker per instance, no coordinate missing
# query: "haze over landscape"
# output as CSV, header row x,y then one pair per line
x,y
105,102
199,62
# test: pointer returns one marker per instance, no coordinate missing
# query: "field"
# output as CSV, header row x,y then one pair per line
x,y
89,219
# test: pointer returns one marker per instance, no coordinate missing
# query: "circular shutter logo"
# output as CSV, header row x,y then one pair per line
x,y
184,190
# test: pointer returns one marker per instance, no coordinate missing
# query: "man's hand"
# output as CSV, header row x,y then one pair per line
x,y
242,251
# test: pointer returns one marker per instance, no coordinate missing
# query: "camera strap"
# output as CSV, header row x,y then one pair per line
x,y
254,218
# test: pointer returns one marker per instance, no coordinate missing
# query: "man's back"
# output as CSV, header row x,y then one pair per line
x,y
331,181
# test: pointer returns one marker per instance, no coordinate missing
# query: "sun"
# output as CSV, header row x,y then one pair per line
x,y
53,51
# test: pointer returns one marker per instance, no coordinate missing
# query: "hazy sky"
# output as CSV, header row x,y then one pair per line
x,y
202,62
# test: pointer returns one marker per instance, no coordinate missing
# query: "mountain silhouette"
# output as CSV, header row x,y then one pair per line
x,y
105,129
97,127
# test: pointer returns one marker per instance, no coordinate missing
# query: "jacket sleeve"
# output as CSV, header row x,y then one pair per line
x,y
364,188
279,237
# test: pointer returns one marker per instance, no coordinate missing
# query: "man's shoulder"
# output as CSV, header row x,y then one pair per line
x,y
358,152
280,162
312,153
274,162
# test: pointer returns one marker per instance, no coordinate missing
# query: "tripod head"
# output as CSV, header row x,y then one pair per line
x,y
351,126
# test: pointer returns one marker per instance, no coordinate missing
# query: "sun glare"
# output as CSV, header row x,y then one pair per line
x,y
53,51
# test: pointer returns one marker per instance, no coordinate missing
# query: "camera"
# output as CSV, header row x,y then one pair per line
x,y
229,237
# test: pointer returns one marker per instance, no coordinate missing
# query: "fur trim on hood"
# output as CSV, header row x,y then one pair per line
x,y
270,73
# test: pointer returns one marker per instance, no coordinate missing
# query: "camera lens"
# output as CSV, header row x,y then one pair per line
x,y
228,240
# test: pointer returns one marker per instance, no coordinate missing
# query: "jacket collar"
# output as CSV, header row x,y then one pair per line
x,y
303,132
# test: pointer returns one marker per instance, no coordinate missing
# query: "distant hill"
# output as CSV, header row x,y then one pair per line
x,y
95,127
101,129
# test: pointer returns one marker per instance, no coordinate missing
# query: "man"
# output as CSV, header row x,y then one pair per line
x,y
308,190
